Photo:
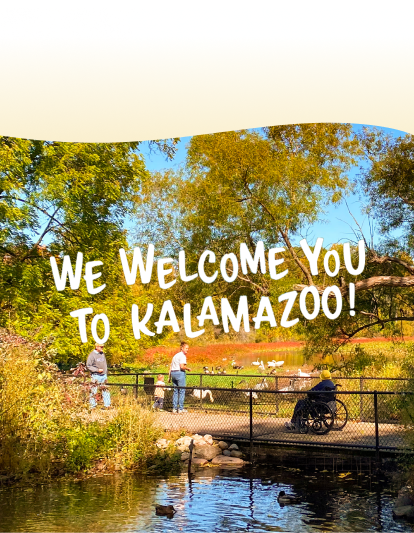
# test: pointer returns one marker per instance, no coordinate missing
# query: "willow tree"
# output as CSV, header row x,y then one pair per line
x,y
270,185
249,186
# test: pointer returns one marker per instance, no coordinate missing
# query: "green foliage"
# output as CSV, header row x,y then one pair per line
x,y
44,428
389,182
59,199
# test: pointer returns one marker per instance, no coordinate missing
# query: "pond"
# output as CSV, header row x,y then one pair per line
x,y
216,500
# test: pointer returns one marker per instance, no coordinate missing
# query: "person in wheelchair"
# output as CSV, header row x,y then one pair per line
x,y
324,386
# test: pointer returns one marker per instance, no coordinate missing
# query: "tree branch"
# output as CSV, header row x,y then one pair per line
x,y
350,335
387,259
370,283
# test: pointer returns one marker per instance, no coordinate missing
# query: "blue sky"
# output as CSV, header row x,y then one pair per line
x,y
338,222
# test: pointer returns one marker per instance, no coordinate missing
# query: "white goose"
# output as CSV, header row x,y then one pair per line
x,y
256,363
203,393
261,367
273,364
303,374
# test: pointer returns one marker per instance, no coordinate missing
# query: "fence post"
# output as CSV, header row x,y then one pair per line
x,y
361,405
136,387
277,395
376,425
251,424
201,392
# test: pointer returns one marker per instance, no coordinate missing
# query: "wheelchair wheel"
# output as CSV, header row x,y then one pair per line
x,y
340,415
321,418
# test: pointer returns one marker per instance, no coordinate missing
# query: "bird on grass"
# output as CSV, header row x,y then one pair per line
x,y
287,498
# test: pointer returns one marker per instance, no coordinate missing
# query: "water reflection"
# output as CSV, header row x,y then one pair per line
x,y
214,500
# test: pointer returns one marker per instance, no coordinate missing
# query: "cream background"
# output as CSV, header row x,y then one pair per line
x,y
122,71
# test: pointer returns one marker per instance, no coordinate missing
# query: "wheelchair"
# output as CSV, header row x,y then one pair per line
x,y
320,416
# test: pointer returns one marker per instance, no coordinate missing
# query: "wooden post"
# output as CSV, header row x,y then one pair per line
x,y
191,446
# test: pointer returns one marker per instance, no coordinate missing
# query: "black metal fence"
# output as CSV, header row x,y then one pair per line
x,y
276,382
359,419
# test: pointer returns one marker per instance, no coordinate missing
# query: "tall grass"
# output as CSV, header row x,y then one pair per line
x,y
44,428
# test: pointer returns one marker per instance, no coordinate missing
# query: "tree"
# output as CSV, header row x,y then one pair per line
x,y
248,186
59,199
385,296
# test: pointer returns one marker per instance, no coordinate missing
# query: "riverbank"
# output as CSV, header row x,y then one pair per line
x,y
47,430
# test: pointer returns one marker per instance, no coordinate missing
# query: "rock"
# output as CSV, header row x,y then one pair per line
x,y
162,443
225,460
405,498
236,453
206,451
223,445
183,444
233,447
185,456
227,453
208,439
406,511
199,461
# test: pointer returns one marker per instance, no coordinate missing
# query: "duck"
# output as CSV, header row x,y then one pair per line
x,y
165,510
287,498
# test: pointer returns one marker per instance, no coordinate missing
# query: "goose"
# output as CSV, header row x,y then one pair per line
x,y
289,387
256,363
203,393
206,370
262,385
287,498
165,510
247,394
271,364
303,374
261,366
279,363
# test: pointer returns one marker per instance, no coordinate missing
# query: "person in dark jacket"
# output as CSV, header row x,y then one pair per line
x,y
324,386
96,364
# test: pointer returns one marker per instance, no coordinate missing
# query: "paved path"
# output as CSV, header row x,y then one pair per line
x,y
222,424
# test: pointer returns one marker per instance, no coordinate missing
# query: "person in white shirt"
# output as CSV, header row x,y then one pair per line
x,y
178,369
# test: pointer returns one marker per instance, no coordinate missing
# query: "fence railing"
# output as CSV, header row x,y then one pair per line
x,y
372,420
273,382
